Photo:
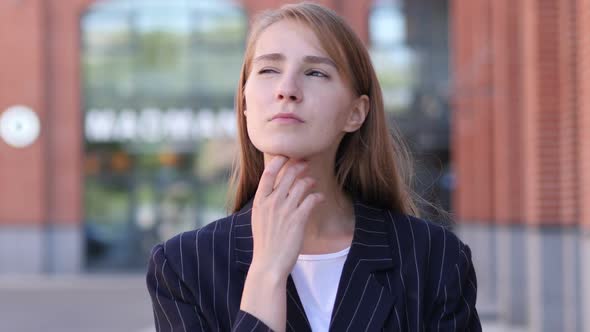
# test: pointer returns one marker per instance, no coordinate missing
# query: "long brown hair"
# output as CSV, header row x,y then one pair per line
x,y
373,164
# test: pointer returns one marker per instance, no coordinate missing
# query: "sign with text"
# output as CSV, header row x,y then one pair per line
x,y
151,125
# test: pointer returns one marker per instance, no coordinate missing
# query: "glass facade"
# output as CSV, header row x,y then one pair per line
x,y
409,46
159,128
392,57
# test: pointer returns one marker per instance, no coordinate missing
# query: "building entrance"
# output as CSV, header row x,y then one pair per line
x,y
159,130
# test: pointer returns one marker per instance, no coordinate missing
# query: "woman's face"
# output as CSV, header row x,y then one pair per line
x,y
297,104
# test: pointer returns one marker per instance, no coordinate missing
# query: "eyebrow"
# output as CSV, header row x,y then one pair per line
x,y
314,59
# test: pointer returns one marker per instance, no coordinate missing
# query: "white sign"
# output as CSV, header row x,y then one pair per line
x,y
152,125
19,126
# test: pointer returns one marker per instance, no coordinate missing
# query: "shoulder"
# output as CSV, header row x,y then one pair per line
x,y
439,236
435,247
423,231
441,267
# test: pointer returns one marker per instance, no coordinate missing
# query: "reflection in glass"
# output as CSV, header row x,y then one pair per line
x,y
409,47
158,82
392,57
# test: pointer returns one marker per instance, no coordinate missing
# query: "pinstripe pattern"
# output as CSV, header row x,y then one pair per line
x,y
401,274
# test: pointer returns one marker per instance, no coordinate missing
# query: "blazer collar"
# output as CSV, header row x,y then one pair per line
x,y
361,300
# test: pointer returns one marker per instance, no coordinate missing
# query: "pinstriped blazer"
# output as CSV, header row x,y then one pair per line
x,y
401,274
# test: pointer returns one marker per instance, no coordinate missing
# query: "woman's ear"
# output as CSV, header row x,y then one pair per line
x,y
358,114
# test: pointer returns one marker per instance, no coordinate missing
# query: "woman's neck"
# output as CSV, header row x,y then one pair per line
x,y
331,224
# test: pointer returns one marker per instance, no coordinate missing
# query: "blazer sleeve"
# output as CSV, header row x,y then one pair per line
x,y
173,303
454,308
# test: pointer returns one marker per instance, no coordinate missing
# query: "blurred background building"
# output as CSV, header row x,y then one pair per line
x,y
117,131
521,153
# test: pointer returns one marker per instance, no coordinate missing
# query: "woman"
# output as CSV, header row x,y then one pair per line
x,y
321,236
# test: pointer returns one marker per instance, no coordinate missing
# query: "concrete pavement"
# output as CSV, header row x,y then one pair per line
x,y
75,304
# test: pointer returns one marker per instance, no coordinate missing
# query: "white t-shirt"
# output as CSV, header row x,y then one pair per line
x,y
316,278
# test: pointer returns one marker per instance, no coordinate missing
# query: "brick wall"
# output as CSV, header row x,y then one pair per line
x,y
472,134
582,89
64,99
22,82
40,69
520,88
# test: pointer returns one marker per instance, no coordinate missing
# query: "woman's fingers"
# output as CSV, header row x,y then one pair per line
x,y
298,191
283,200
303,212
286,182
267,180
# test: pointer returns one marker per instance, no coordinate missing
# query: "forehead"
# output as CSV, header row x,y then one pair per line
x,y
290,38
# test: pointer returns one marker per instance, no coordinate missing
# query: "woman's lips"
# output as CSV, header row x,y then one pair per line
x,y
286,118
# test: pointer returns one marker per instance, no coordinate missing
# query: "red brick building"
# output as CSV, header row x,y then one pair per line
x,y
522,153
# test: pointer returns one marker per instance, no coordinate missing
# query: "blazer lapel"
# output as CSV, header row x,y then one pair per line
x,y
296,317
363,301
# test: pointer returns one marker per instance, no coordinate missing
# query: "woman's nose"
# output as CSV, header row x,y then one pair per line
x,y
288,90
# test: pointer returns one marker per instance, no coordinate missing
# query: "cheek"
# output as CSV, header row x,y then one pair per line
x,y
333,112
254,116
247,94
255,93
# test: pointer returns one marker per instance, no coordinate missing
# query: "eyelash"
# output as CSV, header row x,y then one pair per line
x,y
317,71
310,73
266,70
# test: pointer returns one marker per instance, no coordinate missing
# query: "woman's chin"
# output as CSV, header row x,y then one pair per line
x,y
291,152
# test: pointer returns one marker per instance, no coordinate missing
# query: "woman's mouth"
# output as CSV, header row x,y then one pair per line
x,y
286,118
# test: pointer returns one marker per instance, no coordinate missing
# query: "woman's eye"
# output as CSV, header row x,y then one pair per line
x,y
267,71
316,73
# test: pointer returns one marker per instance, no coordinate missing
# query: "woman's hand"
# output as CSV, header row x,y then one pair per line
x,y
280,211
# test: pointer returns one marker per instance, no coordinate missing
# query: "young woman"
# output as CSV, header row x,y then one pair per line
x,y
323,234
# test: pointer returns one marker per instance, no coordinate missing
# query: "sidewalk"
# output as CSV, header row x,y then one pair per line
x,y
488,326
94,303
75,304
